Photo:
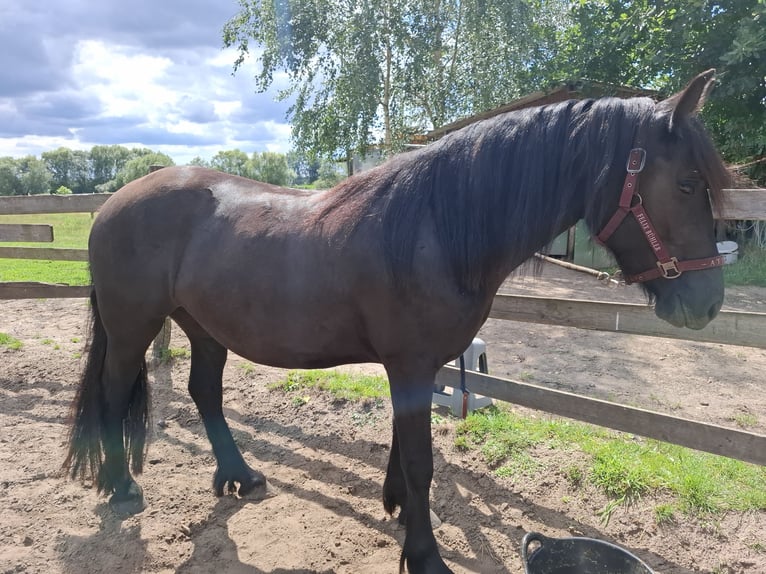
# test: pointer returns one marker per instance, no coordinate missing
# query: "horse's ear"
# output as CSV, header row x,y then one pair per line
x,y
688,101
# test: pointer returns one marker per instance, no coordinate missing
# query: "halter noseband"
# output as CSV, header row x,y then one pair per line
x,y
630,202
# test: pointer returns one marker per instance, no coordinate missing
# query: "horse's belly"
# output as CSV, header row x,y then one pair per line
x,y
290,337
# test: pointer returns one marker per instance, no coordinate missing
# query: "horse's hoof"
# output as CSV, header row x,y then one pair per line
x,y
259,492
254,487
129,502
251,484
431,565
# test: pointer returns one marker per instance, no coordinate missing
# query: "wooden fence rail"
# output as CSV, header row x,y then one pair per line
x,y
729,327
32,204
733,443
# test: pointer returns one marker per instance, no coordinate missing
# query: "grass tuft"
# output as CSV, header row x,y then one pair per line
x,y
340,385
173,353
10,342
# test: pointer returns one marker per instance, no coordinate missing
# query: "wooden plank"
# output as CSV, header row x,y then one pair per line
x,y
47,253
730,327
743,204
32,290
25,232
79,203
732,443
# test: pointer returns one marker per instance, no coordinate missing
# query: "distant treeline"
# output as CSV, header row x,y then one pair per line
x,y
107,168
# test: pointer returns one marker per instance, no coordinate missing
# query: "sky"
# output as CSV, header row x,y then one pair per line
x,y
144,73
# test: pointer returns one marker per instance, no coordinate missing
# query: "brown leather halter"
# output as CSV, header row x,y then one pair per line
x,y
630,202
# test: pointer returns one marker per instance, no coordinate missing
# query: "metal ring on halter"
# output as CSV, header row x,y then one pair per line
x,y
631,169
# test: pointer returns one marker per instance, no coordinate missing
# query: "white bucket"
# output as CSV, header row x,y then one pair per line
x,y
729,251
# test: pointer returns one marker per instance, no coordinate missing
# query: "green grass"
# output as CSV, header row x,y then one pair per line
x,y
623,467
70,230
339,385
10,342
173,353
749,269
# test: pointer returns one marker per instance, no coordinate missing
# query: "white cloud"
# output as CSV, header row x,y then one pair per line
x,y
125,81
120,80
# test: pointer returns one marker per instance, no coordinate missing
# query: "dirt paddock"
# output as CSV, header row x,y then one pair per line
x,y
326,460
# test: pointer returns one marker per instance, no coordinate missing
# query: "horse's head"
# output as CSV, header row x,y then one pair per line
x,y
663,231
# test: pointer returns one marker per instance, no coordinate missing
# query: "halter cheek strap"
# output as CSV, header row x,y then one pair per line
x,y
667,267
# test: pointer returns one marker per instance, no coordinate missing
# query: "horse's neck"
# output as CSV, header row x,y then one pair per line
x,y
538,234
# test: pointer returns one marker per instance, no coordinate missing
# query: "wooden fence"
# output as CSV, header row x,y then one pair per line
x,y
746,329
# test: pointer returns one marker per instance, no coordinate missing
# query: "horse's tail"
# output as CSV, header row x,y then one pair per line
x,y
86,434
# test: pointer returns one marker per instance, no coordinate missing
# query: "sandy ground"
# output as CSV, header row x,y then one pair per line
x,y
326,460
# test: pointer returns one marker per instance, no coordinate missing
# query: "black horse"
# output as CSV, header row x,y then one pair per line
x,y
397,265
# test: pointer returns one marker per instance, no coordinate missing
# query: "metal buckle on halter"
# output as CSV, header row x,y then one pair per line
x,y
669,269
632,162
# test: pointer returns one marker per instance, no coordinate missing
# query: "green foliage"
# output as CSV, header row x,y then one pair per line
x,y
329,174
664,513
749,269
305,167
173,354
271,167
392,67
69,168
139,167
653,44
33,175
340,385
106,161
63,190
232,161
10,183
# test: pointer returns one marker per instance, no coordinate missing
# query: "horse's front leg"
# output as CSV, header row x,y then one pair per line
x,y
208,358
411,396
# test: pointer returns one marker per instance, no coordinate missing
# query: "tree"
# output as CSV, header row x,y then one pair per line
x,y
649,43
330,173
304,168
139,167
60,164
388,67
106,161
80,173
33,175
198,161
271,167
233,161
10,183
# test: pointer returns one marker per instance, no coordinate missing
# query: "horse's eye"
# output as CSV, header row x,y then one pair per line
x,y
688,186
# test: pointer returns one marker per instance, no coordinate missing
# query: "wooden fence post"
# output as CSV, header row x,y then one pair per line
x,y
162,341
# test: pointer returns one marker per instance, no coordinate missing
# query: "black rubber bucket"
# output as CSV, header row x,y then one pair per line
x,y
543,555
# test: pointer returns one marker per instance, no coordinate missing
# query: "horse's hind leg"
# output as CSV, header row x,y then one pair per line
x,y
208,358
125,397
394,487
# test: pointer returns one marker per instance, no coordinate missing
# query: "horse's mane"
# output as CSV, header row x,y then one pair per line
x,y
485,186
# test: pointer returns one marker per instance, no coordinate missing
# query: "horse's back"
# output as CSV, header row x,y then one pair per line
x,y
142,233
